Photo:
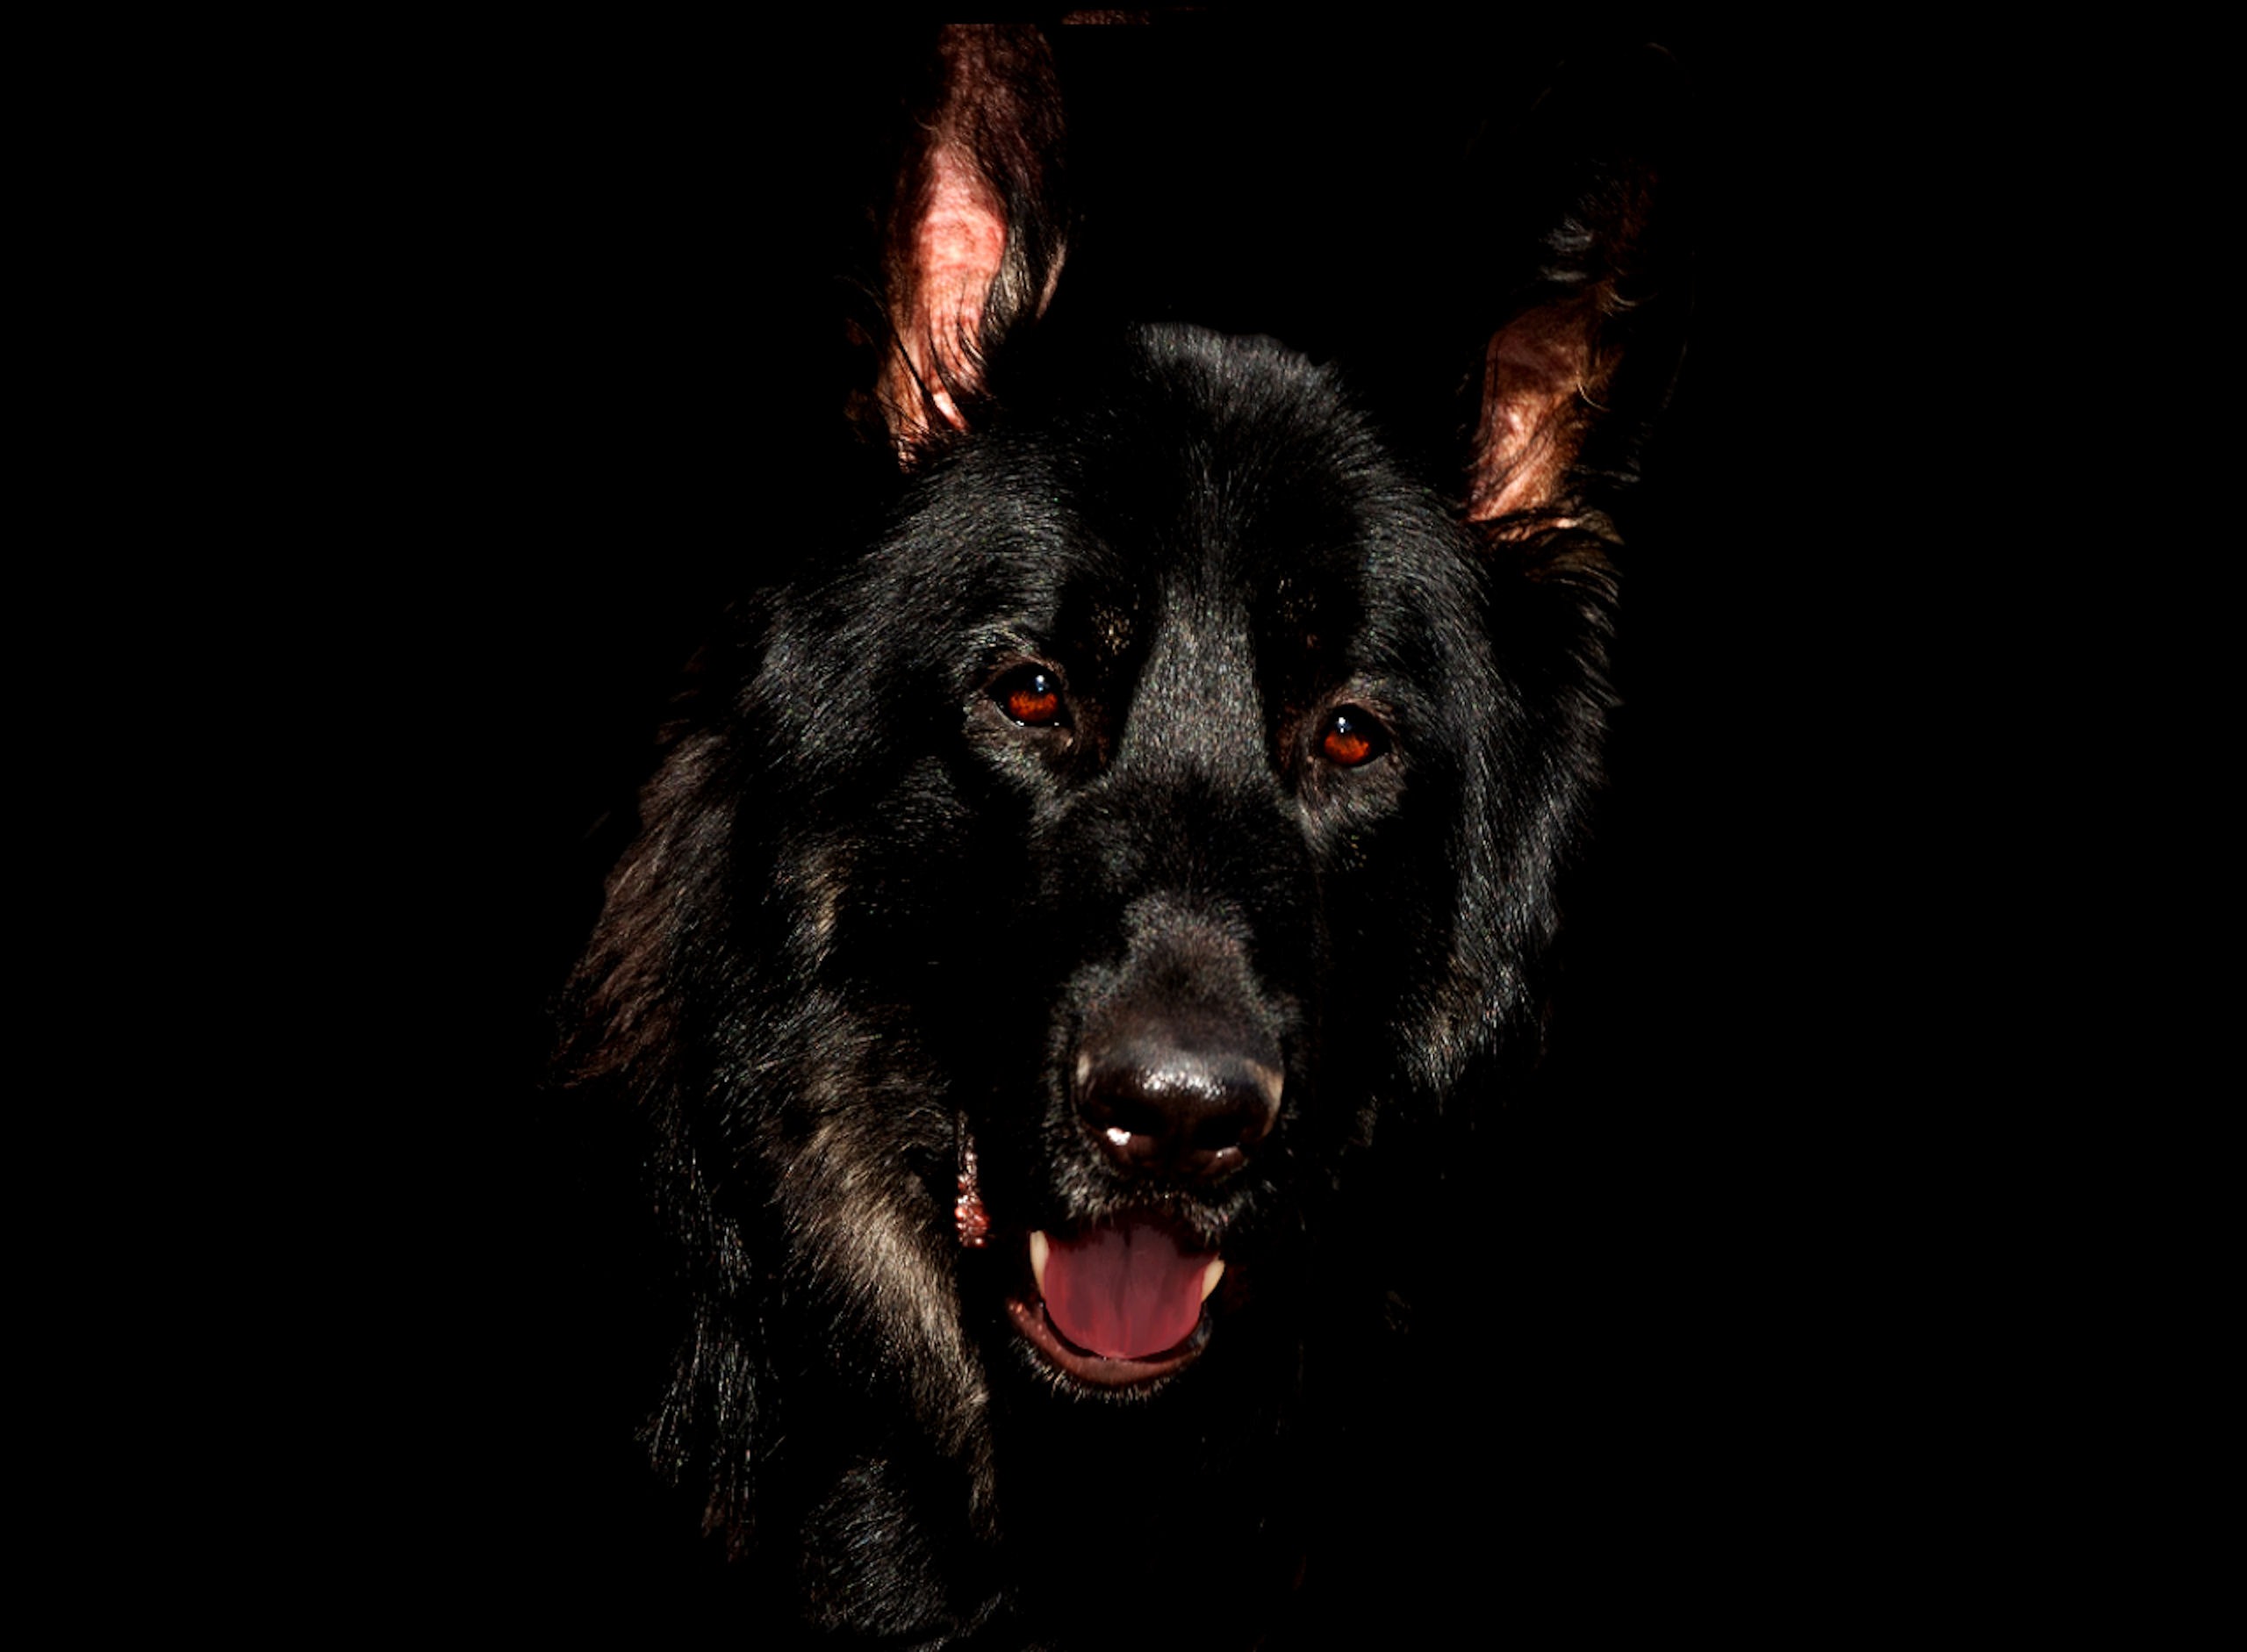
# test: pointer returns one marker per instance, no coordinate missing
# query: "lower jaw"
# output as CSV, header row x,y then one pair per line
x,y
1099,1370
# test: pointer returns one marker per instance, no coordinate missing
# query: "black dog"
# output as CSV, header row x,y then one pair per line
x,y
1070,933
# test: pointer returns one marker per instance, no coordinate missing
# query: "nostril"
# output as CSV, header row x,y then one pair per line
x,y
1119,1106
1258,1085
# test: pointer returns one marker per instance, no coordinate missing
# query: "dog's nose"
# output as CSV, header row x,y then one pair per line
x,y
1185,1099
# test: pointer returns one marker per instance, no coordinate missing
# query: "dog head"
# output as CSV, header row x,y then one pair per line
x,y
1068,902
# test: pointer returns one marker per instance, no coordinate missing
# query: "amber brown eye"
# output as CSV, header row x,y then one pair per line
x,y
1352,738
1032,696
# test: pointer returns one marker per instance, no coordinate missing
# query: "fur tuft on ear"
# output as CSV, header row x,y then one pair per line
x,y
977,225
1608,290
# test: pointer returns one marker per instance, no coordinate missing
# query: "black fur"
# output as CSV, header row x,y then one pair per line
x,y
1181,715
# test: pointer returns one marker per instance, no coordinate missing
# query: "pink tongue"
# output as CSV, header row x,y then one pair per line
x,y
1125,1291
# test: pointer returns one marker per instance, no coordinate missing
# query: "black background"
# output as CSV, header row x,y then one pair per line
x,y
601,343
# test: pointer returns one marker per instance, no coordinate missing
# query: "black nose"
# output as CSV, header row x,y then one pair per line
x,y
1183,1096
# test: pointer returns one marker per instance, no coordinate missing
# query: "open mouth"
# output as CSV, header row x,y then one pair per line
x,y
1120,1303
1116,1305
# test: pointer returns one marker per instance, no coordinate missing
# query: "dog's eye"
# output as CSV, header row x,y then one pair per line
x,y
1031,695
1352,738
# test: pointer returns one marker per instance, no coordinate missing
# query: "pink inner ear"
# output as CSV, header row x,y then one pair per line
x,y
1534,398
957,246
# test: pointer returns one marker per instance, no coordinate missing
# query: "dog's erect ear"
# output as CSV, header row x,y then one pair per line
x,y
976,226
1595,337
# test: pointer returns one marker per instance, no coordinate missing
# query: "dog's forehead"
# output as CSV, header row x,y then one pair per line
x,y
1226,478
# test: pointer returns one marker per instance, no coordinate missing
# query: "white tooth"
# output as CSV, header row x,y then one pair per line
x,y
1210,1274
1039,1248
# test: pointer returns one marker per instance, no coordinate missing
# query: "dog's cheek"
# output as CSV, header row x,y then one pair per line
x,y
843,1039
862,1138
861,1235
1391,893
